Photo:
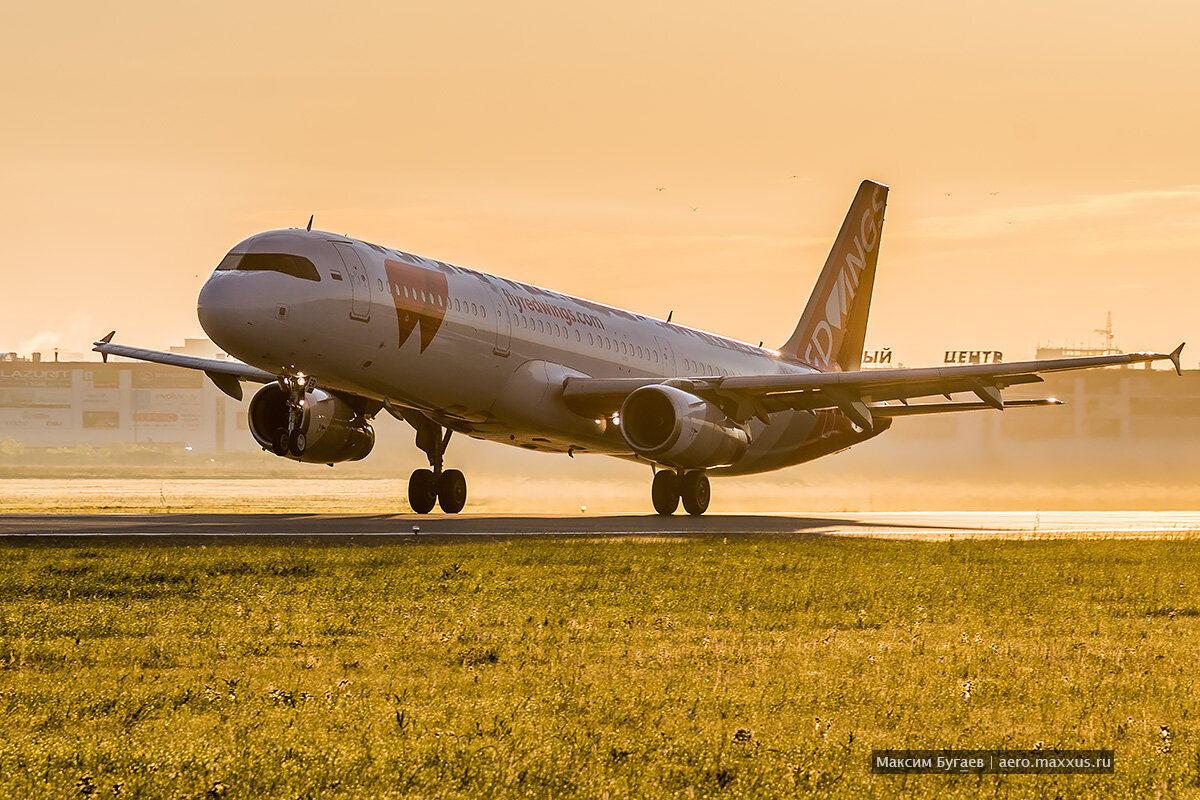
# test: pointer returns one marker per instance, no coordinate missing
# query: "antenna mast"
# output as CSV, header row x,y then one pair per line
x,y
1107,330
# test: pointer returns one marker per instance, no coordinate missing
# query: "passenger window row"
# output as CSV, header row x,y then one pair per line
x,y
647,354
703,368
613,345
548,328
424,296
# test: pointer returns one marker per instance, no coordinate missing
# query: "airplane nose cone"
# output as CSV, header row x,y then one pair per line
x,y
218,310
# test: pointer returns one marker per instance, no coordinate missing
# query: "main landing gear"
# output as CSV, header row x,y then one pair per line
x,y
427,487
670,487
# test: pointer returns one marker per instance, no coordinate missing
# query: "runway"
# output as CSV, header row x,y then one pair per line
x,y
387,528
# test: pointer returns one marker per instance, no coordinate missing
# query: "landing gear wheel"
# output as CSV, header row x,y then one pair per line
x,y
279,444
695,492
452,491
665,492
422,491
297,443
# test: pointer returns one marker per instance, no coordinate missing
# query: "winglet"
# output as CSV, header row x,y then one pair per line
x,y
105,340
1174,356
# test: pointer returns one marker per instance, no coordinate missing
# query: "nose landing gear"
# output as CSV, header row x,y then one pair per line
x,y
427,487
670,487
291,440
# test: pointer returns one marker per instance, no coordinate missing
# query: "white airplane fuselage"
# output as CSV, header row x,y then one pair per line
x,y
480,354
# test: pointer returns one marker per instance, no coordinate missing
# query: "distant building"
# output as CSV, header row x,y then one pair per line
x,y
1114,405
1074,352
201,348
64,403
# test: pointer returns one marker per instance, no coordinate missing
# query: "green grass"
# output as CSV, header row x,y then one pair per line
x,y
626,668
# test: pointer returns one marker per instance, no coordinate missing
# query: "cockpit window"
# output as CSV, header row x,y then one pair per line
x,y
288,264
230,261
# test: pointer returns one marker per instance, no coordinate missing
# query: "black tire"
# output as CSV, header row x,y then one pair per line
x,y
279,445
298,443
695,492
422,491
665,492
452,491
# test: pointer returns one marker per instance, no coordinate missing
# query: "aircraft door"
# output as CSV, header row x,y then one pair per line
x,y
360,286
503,322
668,356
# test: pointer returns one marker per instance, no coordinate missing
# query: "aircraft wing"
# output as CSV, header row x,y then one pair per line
x,y
227,374
859,394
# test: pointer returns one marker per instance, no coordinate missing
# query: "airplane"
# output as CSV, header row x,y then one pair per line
x,y
338,330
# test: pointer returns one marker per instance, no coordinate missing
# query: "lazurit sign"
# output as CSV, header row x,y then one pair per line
x,y
35,377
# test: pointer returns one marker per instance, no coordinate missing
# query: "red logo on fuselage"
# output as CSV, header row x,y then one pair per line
x,y
421,296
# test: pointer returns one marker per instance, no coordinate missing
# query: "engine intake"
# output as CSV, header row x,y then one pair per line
x,y
678,429
332,431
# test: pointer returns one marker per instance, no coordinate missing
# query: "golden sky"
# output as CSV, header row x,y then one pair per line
x,y
1043,157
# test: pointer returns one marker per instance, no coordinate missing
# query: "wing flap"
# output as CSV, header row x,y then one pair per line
x,y
920,409
865,380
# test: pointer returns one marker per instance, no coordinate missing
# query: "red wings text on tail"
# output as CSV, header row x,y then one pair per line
x,y
830,334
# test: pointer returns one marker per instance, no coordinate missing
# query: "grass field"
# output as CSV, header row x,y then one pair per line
x,y
624,668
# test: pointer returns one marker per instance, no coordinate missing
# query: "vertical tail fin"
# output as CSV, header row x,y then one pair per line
x,y
831,331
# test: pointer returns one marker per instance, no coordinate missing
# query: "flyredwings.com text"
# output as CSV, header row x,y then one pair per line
x,y
567,315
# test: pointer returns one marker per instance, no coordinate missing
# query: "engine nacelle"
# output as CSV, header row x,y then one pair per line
x,y
676,429
331,430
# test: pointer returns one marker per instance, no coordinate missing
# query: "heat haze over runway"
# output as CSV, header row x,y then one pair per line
x,y
387,528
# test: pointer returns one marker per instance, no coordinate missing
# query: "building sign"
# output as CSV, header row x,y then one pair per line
x,y
35,377
155,377
34,386
35,419
107,377
974,357
877,357
102,420
163,412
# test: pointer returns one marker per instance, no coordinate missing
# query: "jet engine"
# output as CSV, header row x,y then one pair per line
x,y
677,429
330,429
